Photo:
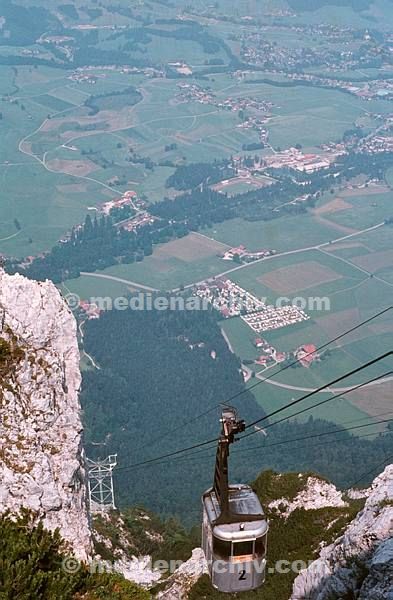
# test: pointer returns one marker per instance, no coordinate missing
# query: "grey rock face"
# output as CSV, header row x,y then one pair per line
x,y
41,466
360,562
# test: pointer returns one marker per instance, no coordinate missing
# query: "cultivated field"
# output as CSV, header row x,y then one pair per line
x,y
301,276
181,262
321,273
377,261
332,207
56,138
286,233
190,248
366,207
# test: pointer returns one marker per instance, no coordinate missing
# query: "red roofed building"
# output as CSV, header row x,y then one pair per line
x,y
91,310
307,361
263,360
307,354
309,348
130,194
239,250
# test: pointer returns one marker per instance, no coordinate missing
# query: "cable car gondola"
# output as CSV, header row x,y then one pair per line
x,y
234,528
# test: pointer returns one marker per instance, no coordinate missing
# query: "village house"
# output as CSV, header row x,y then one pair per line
x,y
91,310
307,355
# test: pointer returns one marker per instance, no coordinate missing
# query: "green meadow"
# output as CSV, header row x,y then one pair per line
x,y
53,142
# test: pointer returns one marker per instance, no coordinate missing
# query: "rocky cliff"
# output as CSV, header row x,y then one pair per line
x,y
41,468
41,464
359,564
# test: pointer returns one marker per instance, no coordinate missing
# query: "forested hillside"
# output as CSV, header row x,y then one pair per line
x,y
159,371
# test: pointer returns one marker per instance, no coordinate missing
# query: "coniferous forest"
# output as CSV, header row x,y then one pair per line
x,y
169,368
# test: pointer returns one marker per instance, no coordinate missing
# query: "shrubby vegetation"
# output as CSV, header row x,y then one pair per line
x,y
191,31
69,11
137,532
190,176
10,355
25,24
31,567
204,207
5,351
127,97
253,146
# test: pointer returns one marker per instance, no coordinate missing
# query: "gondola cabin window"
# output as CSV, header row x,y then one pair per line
x,y
239,551
221,548
242,551
260,546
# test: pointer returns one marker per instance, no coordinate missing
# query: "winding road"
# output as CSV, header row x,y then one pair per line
x,y
146,288
330,390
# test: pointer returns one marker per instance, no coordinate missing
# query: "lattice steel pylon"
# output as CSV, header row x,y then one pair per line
x,y
100,483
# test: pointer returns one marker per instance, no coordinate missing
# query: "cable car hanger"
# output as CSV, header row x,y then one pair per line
x,y
231,425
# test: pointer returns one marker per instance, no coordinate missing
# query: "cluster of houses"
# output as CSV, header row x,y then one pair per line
x,y
340,51
181,67
91,311
140,220
91,73
306,355
270,354
274,317
242,255
228,298
295,159
377,144
80,77
129,198
191,92
231,300
257,49
256,123
376,89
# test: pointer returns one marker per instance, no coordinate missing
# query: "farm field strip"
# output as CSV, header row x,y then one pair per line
x,y
297,251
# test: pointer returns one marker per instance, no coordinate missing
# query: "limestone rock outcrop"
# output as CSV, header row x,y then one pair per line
x,y
41,463
181,581
359,564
